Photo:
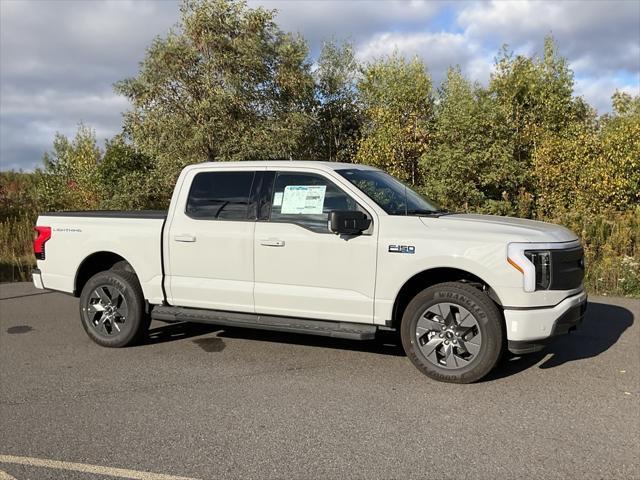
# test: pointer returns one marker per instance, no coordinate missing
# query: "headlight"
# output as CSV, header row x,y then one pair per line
x,y
533,260
541,260
544,266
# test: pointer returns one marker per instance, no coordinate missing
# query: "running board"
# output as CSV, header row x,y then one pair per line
x,y
352,331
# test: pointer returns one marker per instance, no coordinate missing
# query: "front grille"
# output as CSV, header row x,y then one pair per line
x,y
567,268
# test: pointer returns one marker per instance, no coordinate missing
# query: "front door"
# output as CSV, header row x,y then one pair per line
x,y
210,242
302,269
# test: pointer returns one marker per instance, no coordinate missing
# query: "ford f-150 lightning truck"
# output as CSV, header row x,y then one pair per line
x,y
341,250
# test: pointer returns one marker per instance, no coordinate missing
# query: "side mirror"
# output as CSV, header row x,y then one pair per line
x,y
345,222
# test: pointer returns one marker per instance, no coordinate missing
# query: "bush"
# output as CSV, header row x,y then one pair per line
x,y
16,255
612,250
524,145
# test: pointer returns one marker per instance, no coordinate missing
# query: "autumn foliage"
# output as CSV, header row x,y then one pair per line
x,y
229,84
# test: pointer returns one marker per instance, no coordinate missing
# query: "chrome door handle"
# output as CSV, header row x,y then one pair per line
x,y
184,238
270,242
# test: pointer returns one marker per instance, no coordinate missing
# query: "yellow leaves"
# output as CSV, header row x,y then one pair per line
x,y
589,170
397,105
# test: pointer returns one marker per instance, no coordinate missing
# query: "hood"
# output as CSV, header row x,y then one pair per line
x,y
515,229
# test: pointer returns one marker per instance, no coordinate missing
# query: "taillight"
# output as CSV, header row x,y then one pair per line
x,y
44,234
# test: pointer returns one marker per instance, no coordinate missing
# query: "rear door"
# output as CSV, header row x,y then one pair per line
x,y
210,241
302,269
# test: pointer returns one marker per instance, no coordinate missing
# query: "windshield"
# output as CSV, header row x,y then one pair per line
x,y
393,196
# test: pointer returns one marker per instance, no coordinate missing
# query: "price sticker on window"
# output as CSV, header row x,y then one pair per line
x,y
303,199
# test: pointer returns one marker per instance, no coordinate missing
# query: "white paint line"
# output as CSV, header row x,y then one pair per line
x,y
85,468
6,476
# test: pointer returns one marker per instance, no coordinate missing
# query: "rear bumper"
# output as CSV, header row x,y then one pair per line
x,y
529,330
37,278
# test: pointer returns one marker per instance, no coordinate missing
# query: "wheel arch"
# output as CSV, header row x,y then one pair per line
x,y
94,263
429,277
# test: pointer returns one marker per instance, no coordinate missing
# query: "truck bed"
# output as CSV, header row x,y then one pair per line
x,y
155,214
135,236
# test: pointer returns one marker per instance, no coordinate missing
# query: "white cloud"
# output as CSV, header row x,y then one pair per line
x,y
58,61
30,121
54,102
59,58
492,17
322,19
82,43
438,50
598,91
598,37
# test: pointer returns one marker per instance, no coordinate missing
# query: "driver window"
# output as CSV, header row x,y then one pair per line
x,y
306,199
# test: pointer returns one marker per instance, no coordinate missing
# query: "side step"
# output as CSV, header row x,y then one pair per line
x,y
352,331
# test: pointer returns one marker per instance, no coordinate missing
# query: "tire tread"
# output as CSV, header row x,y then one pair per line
x,y
137,315
492,334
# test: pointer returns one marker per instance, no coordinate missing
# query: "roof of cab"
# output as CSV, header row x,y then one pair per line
x,y
283,163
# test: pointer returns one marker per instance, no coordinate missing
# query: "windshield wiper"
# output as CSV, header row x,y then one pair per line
x,y
427,213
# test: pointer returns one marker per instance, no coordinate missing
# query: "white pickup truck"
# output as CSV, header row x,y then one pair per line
x,y
331,249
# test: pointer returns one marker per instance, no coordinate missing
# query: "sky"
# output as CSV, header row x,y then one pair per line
x,y
60,58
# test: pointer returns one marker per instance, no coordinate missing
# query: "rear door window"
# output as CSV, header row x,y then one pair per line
x,y
220,196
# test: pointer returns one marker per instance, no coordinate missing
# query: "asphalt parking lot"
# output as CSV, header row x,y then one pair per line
x,y
206,402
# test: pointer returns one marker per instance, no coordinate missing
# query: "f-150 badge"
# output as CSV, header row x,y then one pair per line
x,y
402,249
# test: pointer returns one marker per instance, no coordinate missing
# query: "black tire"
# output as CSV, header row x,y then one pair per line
x,y
424,333
114,329
122,265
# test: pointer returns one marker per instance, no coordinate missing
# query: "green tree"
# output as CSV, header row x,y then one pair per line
x,y
71,172
621,152
130,176
562,168
398,106
338,116
536,98
469,165
227,84
19,193
591,167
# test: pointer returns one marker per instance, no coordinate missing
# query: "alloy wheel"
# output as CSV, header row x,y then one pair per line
x,y
107,310
448,335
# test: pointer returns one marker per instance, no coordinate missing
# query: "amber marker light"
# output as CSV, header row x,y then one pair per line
x,y
515,265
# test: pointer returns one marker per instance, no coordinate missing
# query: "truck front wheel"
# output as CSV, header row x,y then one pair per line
x,y
112,309
452,332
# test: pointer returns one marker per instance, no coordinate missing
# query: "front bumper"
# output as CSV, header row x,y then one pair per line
x,y
37,278
529,330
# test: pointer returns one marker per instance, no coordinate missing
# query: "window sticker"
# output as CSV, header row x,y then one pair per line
x,y
277,199
303,199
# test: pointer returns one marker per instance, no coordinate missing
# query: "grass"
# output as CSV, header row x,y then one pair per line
x,y
612,251
16,254
611,243
17,269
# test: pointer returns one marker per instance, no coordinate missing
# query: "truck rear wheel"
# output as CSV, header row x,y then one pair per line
x,y
112,309
452,332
